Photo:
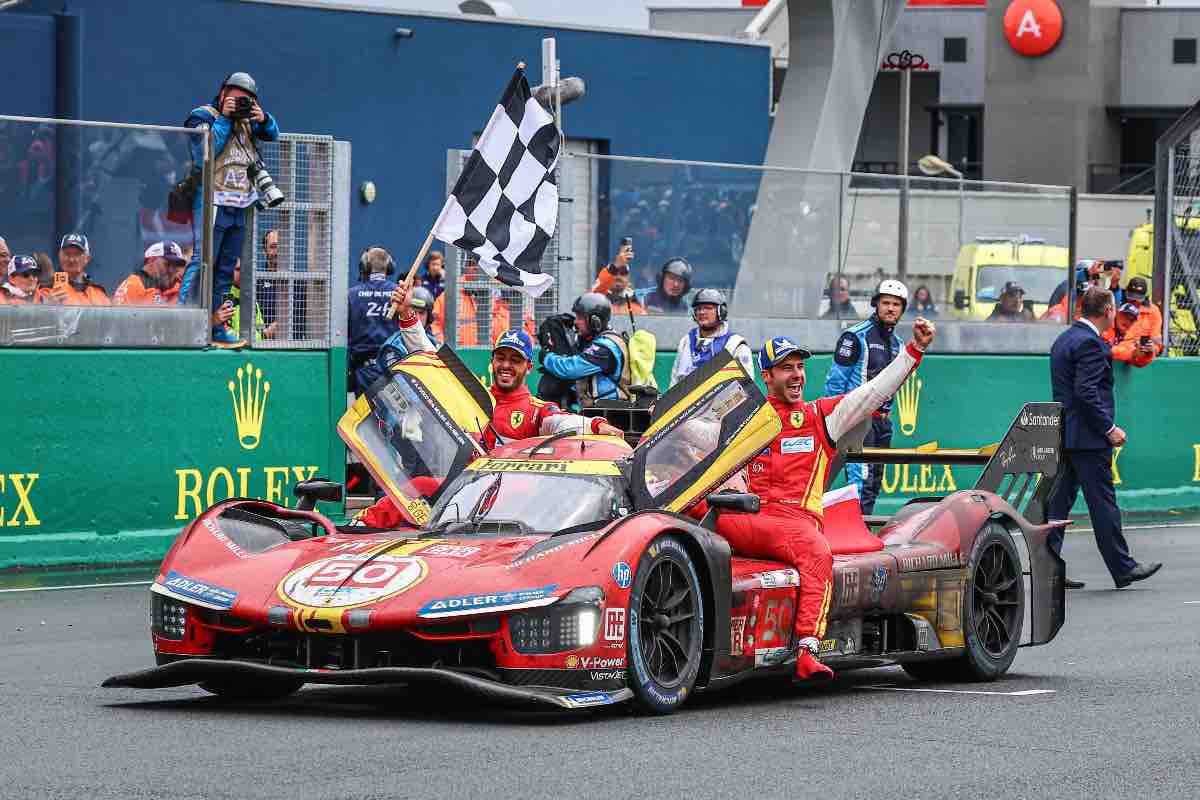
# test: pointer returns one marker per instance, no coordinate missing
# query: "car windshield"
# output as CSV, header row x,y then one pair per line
x,y
480,501
1038,282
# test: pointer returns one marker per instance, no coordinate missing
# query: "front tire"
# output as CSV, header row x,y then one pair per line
x,y
992,615
666,627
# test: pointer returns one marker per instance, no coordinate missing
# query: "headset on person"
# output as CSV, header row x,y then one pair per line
x,y
715,297
364,269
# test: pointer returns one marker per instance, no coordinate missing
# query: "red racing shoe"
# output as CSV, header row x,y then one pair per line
x,y
808,668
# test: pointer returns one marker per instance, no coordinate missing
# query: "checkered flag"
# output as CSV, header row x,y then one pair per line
x,y
505,204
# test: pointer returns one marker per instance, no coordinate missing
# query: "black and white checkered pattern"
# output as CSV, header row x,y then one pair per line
x,y
505,204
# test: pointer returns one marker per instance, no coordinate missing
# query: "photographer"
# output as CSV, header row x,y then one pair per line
x,y
236,120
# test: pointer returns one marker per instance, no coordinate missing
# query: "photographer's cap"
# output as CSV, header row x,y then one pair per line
x,y
243,81
777,349
168,250
76,240
516,339
1137,288
22,265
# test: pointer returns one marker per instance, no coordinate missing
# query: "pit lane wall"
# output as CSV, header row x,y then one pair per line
x,y
108,454
968,401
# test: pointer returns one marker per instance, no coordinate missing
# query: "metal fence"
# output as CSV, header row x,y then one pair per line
x,y
1176,232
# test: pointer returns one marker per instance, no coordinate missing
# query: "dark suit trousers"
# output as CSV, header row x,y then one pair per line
x,y
1091,470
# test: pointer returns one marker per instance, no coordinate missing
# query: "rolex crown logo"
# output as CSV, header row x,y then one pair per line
x,y
907,401
249,395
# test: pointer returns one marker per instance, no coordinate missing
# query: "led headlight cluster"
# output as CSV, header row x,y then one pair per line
x,y
569,624
168,618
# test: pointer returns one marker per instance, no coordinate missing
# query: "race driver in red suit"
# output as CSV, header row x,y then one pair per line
x,y
517,414
789,478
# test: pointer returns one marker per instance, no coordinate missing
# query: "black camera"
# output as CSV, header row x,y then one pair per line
x,y
269,195
243,107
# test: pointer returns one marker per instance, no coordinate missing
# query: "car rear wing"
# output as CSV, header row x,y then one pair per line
x,y
1022,468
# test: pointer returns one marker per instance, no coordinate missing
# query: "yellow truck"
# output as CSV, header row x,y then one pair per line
x,y
985,265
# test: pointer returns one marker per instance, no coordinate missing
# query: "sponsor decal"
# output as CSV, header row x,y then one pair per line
x,y
918,478
622,574
848,649
586,699
770,655
797,419
520,562
352,580
1028,420
908,399
512,465
1038,453
249,394
737,635
779,578
614,625
475,603
828,646
796,444
516,418
847,586
594,662
612,675
449,550
361,545
878,583
21,483
929,561
206,593
220,536
759,467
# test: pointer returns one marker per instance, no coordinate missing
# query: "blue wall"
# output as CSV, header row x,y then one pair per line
x,y
403,102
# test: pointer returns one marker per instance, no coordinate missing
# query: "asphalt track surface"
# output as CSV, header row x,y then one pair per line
x,y
1120,720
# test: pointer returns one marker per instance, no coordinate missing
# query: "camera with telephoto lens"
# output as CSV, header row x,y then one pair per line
x,y
243,107
269,195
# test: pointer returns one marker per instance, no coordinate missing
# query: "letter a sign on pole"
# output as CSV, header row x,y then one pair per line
x,y
1033,27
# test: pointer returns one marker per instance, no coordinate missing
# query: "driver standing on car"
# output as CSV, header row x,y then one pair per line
x,y
789,477
517,413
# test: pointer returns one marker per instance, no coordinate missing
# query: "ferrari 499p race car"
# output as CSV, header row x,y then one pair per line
x,y
560,571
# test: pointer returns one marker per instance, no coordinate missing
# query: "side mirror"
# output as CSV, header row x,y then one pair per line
x,y
314,490
735,501
960,300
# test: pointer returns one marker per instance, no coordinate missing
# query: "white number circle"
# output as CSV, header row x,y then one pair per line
x,y
352,580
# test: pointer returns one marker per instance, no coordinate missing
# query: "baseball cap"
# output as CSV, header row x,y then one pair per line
x,y
168,250
22,265
516,339
1012,287
75,240
1137,288
1130,309
777,349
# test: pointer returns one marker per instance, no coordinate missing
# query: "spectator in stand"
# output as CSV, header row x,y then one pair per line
x,y
1150,320
145,287
433,276
1011,306
922,304
77,288
369,328
235,120
1130,342
840,306
613,282
22,284
710,336
5,256
670,296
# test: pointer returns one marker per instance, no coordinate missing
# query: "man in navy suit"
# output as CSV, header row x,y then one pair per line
x,y
1081,375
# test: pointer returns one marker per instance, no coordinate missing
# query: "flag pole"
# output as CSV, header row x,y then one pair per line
x,y
412,272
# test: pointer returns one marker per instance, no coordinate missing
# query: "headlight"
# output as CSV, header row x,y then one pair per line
x,y
168,618
569,624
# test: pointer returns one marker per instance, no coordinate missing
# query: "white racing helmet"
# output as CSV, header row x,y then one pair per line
x,y
891,287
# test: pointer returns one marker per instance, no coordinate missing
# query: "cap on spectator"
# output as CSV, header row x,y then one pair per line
x,y
516,339
1130,309
168,250
1012,287
22,265
76,240
1137,288
777,349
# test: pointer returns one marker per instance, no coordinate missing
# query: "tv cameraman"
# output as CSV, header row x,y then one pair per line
x,y
236,120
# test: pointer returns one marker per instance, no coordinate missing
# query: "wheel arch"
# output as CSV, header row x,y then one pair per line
x,y
711,555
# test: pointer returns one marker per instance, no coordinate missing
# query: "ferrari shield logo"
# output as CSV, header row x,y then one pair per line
x,y
516,419
797,419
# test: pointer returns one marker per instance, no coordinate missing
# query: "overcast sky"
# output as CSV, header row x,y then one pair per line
x,y
608,13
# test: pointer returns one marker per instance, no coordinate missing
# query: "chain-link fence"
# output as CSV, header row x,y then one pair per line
x,y
291,247
1176,233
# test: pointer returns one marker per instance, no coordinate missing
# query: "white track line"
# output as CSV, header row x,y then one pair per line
x,y
1023,693
76,586
1140,527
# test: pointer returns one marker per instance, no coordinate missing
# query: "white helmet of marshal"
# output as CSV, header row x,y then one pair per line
x,y
893,288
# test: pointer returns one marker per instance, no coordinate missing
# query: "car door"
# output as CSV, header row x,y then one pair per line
x,y
704,429
416,428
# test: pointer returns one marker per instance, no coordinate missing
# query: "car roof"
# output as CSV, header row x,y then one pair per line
x,y
577,448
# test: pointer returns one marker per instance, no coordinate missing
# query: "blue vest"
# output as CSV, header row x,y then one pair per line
x,y
700,356
368,328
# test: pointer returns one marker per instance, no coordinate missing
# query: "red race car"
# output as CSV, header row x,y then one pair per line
x,y
560,571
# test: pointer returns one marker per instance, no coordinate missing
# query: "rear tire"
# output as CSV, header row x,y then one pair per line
x,y
992,614
666,627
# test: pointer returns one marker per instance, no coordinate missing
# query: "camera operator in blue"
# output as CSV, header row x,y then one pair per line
x,y
236,120
369,298
861,353
601,369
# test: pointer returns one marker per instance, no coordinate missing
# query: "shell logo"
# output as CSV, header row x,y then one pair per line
x,y
1033,27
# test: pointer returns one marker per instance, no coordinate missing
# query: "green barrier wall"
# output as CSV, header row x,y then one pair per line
x,y
968,401
107,454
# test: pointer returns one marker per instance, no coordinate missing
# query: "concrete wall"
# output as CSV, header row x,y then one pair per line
x,y
704,21
1148,76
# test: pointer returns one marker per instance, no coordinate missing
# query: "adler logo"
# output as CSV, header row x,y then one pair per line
x,y
249,394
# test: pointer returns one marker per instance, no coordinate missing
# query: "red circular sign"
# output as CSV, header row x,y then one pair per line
x,y
1033,27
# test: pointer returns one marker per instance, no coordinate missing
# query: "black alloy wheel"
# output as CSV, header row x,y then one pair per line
x,y
993,611
666,626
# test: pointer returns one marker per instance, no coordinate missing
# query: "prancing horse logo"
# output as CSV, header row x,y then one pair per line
x,y
797,419
516,418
